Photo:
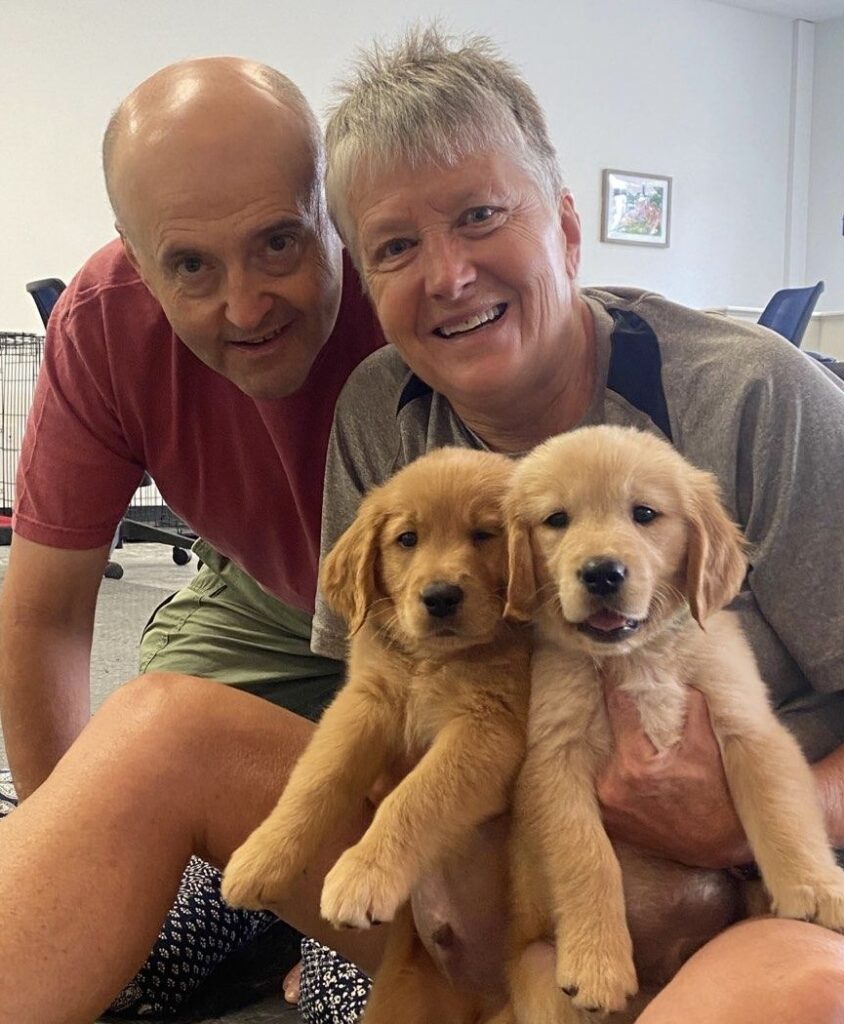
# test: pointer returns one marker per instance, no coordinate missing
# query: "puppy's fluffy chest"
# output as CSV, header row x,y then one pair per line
x,y
486,680
569,685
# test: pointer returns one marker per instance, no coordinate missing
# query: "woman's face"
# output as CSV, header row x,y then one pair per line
x,y
471,270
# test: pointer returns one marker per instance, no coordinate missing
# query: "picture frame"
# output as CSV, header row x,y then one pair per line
x,y
636,208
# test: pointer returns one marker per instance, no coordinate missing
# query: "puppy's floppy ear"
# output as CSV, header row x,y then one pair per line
x,y
347,577
521,574
715,562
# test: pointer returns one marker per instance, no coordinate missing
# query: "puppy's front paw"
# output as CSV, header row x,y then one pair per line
x,y
821,901
598,975
259,874
359,892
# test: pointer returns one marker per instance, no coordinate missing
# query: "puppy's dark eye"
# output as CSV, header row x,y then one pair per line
x,y
644,514
479,536
407,539
557,520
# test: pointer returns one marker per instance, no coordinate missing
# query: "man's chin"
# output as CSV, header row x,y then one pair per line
x,y
266,390
276,379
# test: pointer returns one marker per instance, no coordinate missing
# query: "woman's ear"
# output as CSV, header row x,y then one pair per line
x,y
347,576
715,562
570,223
521,575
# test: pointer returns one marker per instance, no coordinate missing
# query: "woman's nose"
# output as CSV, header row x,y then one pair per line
x,y
448,269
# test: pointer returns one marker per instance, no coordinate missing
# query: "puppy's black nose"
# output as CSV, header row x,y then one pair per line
x,y
602,576
442,599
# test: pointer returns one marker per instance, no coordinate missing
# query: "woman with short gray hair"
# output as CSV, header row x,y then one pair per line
x,y
444,184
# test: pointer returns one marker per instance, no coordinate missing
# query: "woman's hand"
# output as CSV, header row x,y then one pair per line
x,y
674,803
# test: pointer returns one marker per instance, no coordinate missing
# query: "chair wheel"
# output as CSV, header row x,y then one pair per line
x,y
113,571
181,556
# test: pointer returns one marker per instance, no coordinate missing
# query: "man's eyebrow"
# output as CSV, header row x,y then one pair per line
x,y
285,224
178,251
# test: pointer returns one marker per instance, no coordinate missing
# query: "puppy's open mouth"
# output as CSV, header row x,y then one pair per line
x,y
608,626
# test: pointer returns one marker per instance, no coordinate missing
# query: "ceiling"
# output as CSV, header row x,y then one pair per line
x,y
806,10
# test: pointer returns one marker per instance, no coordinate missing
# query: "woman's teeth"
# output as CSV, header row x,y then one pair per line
x,y
472,322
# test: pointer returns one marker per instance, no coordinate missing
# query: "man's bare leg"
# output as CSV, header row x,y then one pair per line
x,y
90,864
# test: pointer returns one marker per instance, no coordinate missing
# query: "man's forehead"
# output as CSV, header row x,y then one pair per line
x,y
244,185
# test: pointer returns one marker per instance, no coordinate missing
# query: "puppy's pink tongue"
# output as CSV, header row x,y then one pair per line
x,y
607,620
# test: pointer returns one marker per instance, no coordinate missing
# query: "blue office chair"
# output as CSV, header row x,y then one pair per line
x,y
46,294
789,311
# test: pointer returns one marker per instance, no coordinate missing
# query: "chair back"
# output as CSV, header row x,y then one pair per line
x,y
789,311
46,294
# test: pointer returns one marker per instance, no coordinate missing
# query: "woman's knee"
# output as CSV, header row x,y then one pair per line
x,y
758,971
814,992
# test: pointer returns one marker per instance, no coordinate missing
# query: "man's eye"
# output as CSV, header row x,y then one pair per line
x,y
281,242
190,265
407,539
644,514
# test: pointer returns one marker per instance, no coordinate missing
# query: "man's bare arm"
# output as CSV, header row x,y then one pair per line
x,y
46,627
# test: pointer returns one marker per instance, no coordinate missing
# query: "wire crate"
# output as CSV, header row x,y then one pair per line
x,y
20,360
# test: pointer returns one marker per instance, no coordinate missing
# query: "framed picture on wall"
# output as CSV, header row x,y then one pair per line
x,y
636,208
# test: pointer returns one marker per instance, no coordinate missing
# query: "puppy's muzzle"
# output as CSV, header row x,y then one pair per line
x,y
602,576
442,599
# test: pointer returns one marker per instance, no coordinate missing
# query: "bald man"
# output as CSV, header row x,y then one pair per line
x,y
207,346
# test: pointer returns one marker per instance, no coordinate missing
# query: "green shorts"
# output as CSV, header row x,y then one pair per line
x,y
224,626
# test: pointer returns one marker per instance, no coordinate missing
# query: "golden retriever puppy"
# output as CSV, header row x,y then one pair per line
x,y
437,678
631,554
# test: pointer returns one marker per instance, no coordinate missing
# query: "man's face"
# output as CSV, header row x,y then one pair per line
x,y
227,237
471,270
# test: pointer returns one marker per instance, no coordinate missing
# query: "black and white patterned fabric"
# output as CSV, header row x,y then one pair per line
x,y
8,799
332,990
198,934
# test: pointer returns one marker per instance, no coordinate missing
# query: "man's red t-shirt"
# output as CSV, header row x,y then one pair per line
x,y
118,393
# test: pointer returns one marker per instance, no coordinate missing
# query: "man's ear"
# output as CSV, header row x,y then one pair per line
x,y
521,576
347,577
131,255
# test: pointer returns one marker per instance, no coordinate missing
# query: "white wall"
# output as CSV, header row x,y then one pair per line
x,y
825,254
687,88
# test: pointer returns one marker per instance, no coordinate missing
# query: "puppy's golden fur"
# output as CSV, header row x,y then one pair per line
x,y
436,678
631,554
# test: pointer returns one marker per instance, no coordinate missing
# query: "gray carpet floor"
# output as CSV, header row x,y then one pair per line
x,y
124,606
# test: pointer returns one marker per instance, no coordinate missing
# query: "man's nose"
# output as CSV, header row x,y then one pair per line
x,y
449,269
247,300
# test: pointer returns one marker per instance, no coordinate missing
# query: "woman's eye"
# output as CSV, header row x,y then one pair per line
x,y
478,215
557,520
395,247
407,539
644,514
